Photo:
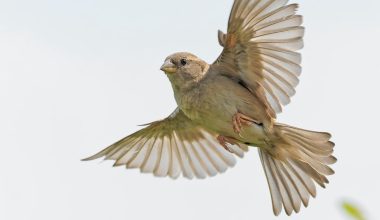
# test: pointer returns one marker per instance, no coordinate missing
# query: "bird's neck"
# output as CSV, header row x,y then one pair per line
x,y
188,100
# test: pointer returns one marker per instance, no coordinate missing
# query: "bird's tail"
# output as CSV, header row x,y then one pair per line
x,y
294,160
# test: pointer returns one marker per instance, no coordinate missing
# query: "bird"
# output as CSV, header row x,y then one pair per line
x,y
231,105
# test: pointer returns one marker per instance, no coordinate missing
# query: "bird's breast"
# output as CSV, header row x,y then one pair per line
x,y
191,103
208,107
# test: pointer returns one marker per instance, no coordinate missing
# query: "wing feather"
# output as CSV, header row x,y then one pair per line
x,y
163,166
260,46
176,165
150,156
172,147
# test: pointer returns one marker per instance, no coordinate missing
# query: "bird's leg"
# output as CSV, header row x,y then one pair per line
x,y
223,140
239,120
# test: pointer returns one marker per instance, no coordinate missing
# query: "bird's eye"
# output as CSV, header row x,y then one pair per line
x,y
183,62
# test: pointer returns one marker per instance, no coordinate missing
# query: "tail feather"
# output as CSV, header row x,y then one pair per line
x,y
293,163
318,148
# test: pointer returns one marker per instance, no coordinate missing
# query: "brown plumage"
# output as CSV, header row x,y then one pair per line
x,y
231,104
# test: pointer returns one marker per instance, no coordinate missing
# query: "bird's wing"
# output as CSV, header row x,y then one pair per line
x,y
260,46
172,147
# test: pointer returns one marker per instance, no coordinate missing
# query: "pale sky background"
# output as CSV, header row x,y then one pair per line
x,y
76,76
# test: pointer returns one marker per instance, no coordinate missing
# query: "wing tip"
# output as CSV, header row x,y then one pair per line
x,y
95,157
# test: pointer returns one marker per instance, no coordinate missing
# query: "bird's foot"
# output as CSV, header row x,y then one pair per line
x,y
239,120
226,140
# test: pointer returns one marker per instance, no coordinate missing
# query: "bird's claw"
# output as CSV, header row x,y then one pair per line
x,y
226,140
239,120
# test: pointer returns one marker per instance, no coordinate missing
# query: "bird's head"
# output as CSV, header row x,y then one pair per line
x,y
184,69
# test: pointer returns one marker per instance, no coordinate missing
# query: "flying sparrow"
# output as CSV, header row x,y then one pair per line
x,y
230,105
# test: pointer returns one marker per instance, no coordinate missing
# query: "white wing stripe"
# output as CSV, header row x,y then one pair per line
x,y
176,165
123,155
138,157
184,158
209,162
165,161
198,168
121,150
273,17
150,155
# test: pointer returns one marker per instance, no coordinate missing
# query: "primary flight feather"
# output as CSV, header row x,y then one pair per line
x,y
228,106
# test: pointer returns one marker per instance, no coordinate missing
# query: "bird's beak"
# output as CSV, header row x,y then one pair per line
x,y
168,67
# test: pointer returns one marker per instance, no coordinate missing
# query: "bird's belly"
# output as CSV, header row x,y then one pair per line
x,y
217,113
253,134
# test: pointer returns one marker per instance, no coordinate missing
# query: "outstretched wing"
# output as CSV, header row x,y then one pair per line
x,y
260,46
172,147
